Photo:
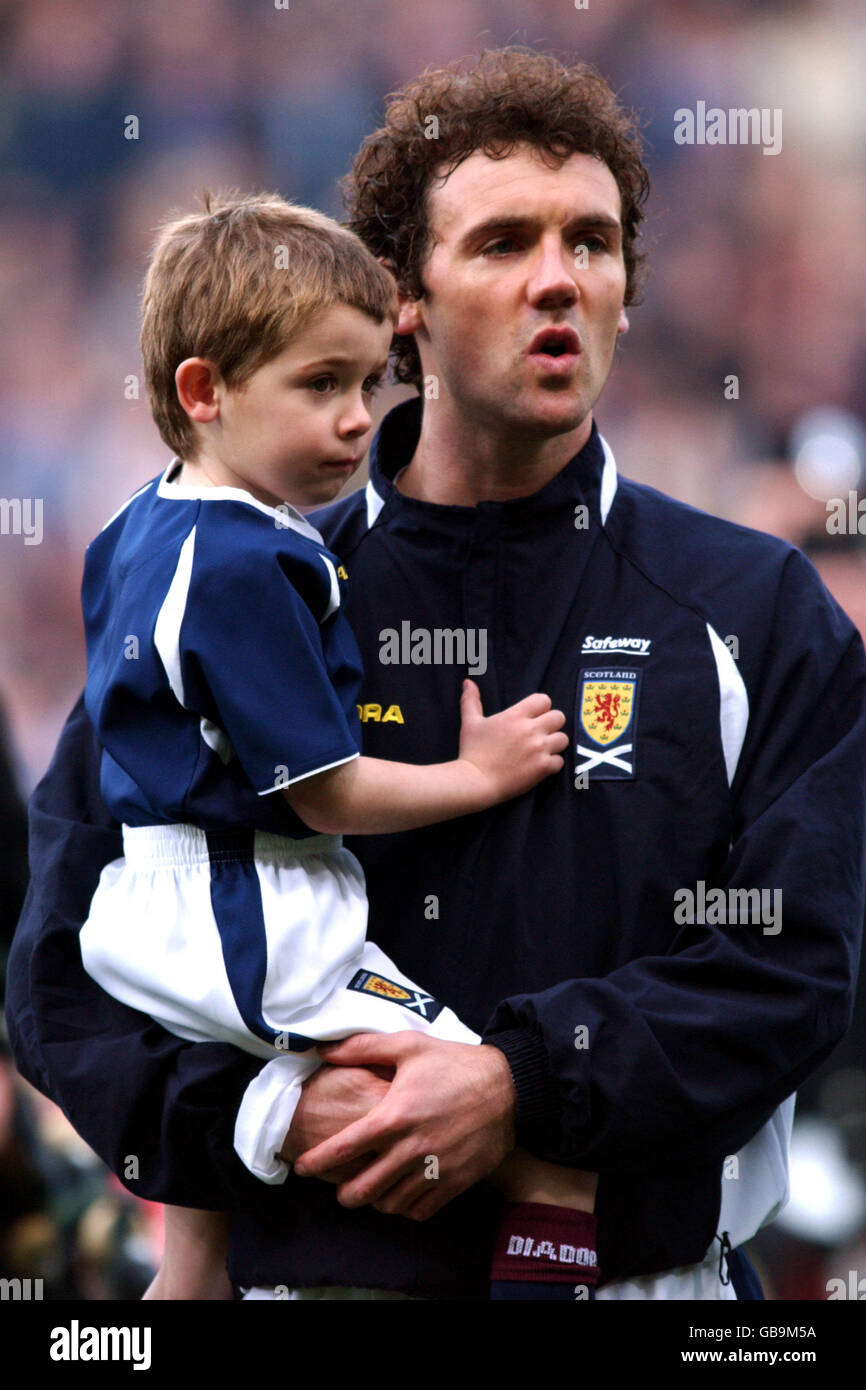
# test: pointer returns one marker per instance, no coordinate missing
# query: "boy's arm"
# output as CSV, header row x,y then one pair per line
x,y
158,1110
499,757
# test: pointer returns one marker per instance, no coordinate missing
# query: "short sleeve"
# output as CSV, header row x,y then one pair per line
x,y
265,652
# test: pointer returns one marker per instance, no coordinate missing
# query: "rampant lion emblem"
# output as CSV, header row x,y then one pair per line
x,y
607,709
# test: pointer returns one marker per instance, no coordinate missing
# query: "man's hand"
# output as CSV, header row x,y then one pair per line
x,y
452,1102
331,1099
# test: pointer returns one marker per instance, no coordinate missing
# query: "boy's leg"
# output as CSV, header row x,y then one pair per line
x,y
546,1243
193,1264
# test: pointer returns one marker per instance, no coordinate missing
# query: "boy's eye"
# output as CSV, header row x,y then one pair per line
x,y
321,384
372,385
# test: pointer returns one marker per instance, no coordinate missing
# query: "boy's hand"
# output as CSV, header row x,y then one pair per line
x,y
515,749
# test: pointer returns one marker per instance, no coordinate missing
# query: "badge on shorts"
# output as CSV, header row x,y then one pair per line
x,y
606,722
424,1004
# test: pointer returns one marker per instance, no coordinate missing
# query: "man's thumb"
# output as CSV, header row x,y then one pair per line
x,y
362,1050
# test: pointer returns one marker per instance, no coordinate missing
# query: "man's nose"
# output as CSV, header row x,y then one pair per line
x,y
552,282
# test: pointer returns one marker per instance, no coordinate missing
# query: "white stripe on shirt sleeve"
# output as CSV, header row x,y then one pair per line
x,y
166,633
733,705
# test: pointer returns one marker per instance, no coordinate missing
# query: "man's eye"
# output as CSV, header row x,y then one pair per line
x,y
493,246
592,243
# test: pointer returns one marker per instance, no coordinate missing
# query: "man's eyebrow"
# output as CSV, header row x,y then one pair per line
x,y
521,222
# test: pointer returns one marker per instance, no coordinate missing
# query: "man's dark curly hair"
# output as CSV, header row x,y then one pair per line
x,y
505,97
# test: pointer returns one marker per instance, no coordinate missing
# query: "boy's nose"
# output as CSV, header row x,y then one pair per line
x,y
355,420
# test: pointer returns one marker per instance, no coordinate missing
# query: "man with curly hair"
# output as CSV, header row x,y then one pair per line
x,y
645,1015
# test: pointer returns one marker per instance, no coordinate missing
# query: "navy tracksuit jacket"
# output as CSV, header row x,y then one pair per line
x,y
644,1045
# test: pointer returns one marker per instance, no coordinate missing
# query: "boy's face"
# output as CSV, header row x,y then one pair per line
x,y
299,427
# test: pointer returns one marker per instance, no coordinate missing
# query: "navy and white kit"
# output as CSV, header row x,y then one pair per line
x,y
716,703
221,670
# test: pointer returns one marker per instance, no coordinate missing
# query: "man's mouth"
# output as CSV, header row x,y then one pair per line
x,y
560,345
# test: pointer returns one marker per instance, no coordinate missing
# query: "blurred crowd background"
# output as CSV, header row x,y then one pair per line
x,y
756,274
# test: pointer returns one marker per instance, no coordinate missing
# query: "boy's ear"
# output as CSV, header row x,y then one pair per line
x,y
410,318
196,381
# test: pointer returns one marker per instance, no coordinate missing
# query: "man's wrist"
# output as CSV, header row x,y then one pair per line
x,y
537,1100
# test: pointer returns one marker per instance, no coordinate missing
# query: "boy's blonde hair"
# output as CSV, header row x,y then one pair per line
x,y
235,283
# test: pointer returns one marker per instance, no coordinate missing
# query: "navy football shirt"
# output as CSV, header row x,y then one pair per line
x,y
220,665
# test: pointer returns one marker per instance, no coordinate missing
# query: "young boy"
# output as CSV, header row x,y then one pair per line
x,y
222,682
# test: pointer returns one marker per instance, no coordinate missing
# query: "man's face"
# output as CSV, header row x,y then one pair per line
x,y
506,264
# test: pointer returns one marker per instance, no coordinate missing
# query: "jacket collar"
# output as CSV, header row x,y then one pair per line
x,y
589,477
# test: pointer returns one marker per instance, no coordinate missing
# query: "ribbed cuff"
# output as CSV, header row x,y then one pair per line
x,y
538,1099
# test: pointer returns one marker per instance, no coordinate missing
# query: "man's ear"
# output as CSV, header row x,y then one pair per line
x,y
410,318
197,381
